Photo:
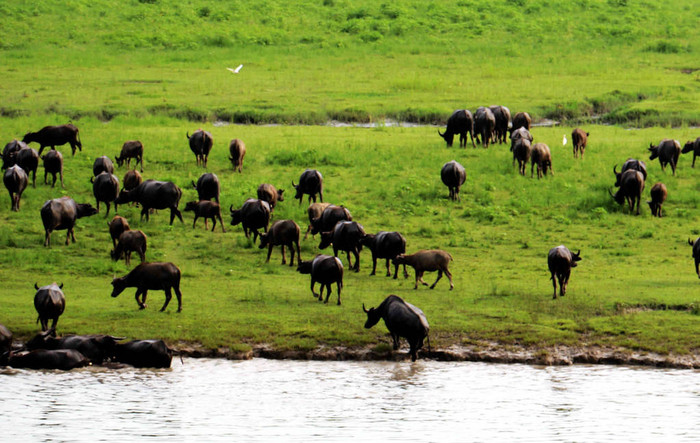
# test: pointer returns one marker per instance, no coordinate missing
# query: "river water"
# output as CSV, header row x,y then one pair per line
x,y
281,400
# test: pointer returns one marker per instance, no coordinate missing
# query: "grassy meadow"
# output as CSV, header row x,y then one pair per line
x,y
154,69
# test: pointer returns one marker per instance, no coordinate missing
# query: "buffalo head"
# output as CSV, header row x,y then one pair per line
x,y
654,151
688,147
574,258
447,136
373,316
304,267
326,239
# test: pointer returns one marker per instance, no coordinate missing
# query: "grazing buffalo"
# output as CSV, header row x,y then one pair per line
x,y
311,183
96,348
49,303
484,125
427,260
102,164
131,149
542,157
236,150
314,211
200,144
53,164
55,136
453,176
386,245
61,213
253,215
633,164
143,354
668,151
282,233
147,276
692,146
153,194
502,115
270,194
130,241
402,319
208,187
560,261
520,133
460,122
326,270
8,153
15,180
631,187
132,179
28,159
658,197
5,340
117,226
105,188
521,152
579,138
521,120
346,236
205,209
329,217
696,254
63,359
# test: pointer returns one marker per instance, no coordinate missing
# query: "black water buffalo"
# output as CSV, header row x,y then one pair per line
x,y
386,245
696,254
270,194
131,149
541,156
521,120
692,146
633,164
253,215
502,115
116,227
460,122
49,303
453,176
151,276
201,143
579,139
402,319
96,348
55,136
484,125
143,354
63,359
331,215
236,150
631,187
132,179
427,260
208,187
560,261
130,241
346,236
658,197
61,213
5,340
520,133
282,233
521,152
28,159
311,183
102,164
153,194
8,153
105,188
326,270
53,164
15,180
668,152
205,209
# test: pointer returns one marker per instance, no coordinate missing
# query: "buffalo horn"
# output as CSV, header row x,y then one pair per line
x,y
364,309
293,185
193,185
610,192
60,286
615,169
690,242
36,286
578,253
230,208
441,135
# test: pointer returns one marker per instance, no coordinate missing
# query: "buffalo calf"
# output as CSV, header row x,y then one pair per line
x,y
131,149
53,164
207,210
579,140
129,241
282,233
116,227
236,151
427,260
542,158
658,197
386,245
270,194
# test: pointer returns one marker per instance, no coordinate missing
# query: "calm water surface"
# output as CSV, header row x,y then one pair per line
x,y
271,400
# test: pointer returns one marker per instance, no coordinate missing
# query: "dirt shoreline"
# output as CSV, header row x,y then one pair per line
x,y
494,353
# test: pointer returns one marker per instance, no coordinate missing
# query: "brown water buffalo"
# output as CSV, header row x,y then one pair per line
x,y
116,227
630,163
96,348
521,120
61,213
427,260
542,157
208,187
402,319
55,136
53,164
270,194
102,164
282,233
132,179
253,215
484,125
520,133
631,187
201,143
502,115
49,303
15,180
692,146
658,197
28,159
560,261
236,150
151,276
143,354
453,176
460,122
205,209
346,236
62,359
579,139
668,152
153,194
521,152
8,153
329,217
311,183
326,270
314,211
386,245
130,149
130,241
105,188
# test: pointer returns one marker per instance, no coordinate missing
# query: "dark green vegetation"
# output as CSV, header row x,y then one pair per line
x,y
153,70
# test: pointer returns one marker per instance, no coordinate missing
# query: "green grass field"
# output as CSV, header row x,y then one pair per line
x,y
153,70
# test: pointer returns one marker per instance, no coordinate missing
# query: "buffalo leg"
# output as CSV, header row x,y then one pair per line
x,y
313,283
168,296
388,271
142,304
374,264
437,279
328,291
395,340
554,283
339,286
47,238
284,258
269,253
195,221
142,255
173,213
46,174
420,278
449,275
356,253
221,222
178,294
127,257
206,223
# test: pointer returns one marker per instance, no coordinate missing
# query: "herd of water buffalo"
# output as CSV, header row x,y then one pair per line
x,y
333,223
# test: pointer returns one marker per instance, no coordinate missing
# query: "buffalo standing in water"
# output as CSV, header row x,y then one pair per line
x,y
402,319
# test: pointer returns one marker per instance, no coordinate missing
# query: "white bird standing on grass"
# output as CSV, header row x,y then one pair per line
x,y
235,71
563,142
